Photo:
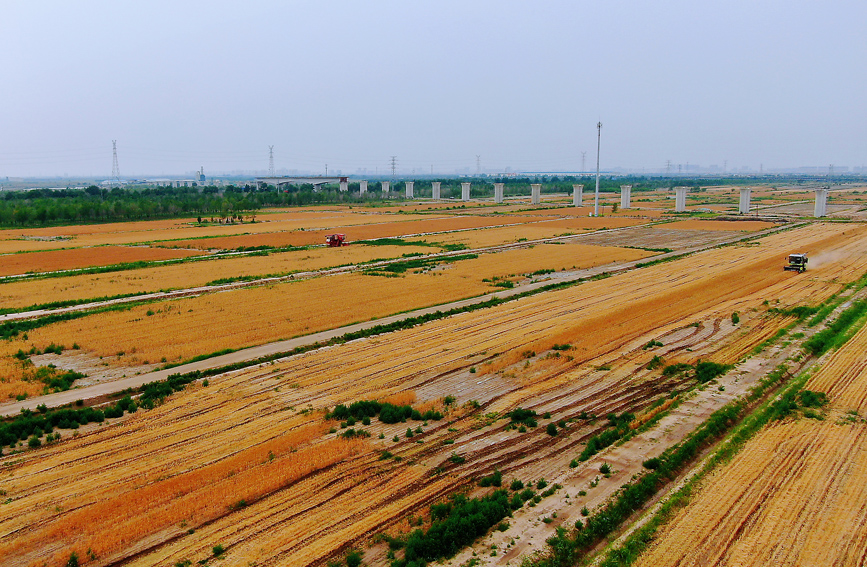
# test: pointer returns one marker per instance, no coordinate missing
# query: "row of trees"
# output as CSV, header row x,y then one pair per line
x,y
92,205
42,207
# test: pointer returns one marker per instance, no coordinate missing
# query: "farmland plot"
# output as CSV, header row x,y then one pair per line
x,y
149,333
230,428
794,495
146,280
54,260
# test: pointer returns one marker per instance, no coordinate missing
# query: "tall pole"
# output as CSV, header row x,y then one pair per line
x,y
598,145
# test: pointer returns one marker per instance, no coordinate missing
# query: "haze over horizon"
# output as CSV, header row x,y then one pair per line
x,y
349,84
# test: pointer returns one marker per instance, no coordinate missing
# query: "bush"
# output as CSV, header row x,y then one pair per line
x,y
673,369
525,416
605,469
353,558
455,524
218,550
651,464
516,485
551,429
707,371
495,479
34,442
735,318
810,399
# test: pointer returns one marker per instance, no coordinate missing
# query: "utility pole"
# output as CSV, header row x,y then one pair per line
x,y
598,146
393,166
326,170
271,161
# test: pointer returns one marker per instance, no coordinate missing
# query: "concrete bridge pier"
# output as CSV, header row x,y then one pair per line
x,y
386,186
362,187
821,206
535,193
409,189
577,195
744,205
625,196
344,186
680,199
465,191
435,190
498,192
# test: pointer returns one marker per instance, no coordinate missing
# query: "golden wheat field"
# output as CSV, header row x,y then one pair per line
x,y
395,228
14,240
180,329
174,477
146,280
54,260
794,495
247,461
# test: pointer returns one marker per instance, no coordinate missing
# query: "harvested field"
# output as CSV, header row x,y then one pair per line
x,y
180,329
54,260
361,232
795,495
657,236
23,294
746,226
120,233
202,439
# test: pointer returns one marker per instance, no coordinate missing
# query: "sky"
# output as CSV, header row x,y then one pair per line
x,y
348,84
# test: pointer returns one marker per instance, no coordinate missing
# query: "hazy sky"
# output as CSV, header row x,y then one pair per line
x,y
182,84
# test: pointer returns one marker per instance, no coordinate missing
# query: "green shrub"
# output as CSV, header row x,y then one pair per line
x,y
707,371
735,318
495,479
524,416
353,558
551,429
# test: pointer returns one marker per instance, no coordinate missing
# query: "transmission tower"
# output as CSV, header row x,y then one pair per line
x,y
598,146
271,161
115,168
393,166
668,168
478,165
583,162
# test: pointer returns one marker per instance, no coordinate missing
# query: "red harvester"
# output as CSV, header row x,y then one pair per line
x,y
336,240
